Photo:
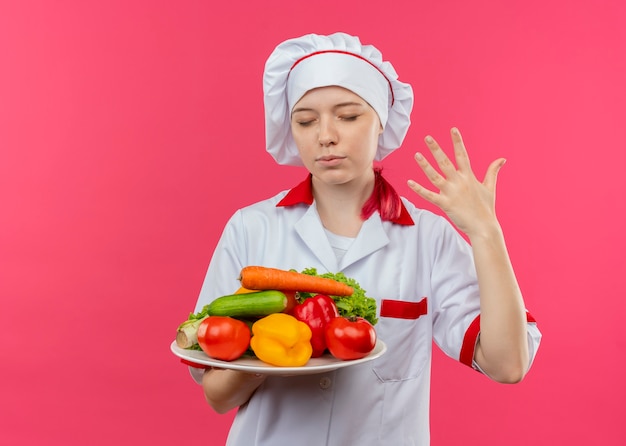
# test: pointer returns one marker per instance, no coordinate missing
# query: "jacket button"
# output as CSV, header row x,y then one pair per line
x,y
325,382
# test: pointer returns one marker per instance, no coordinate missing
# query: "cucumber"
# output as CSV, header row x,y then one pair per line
x,y
256,304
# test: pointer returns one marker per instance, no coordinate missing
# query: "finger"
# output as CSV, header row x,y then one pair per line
x,y
431,173
444,163
460,152
491,176
426,194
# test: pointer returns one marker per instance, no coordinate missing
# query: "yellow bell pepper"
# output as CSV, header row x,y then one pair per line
x,y
281,340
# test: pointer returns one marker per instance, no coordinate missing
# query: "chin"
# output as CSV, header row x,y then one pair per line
x,y
335,178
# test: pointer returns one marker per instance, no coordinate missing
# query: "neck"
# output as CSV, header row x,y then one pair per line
x,y
340,205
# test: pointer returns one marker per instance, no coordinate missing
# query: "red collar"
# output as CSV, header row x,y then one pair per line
x,y
303,194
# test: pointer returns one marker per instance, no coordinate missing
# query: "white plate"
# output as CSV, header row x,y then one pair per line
x,y
322,364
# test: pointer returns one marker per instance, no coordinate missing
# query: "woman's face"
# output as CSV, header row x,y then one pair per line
x,y
336,132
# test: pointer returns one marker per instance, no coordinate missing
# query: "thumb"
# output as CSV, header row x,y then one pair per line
x,y
492,173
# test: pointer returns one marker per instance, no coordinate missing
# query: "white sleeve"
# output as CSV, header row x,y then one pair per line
x,y
456,320
222,277
223,272
454,288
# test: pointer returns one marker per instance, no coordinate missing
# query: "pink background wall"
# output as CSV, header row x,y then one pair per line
x,y
123,124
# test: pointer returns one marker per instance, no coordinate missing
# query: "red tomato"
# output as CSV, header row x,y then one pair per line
x,y
350,338
223,337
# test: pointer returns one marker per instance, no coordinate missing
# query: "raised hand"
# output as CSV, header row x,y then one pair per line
x,y
469,203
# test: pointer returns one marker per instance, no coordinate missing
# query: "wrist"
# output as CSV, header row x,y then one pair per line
x,y
485,232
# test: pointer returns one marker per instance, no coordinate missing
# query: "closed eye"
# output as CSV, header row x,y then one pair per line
x,y
304,123
349,118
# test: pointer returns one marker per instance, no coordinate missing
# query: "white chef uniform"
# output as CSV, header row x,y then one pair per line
x,y
417,267
421,272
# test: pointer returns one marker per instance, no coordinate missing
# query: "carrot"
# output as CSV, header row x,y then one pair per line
x,y
263,278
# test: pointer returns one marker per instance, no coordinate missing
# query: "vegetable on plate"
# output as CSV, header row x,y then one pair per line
x,y
263,278
282,302
258,303
223,338
350,338
356,304
281,340
242,305
316,312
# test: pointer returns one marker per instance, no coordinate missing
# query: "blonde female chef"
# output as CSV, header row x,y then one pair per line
x,y
334,106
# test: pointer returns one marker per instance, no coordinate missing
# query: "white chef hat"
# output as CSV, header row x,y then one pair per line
x,y
311,61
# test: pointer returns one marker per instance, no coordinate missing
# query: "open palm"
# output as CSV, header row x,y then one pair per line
x,y
469,203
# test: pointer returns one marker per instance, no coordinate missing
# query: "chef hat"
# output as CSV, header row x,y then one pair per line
x,y
311,61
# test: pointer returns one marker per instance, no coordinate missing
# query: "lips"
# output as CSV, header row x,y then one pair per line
x,y
327,158
330,161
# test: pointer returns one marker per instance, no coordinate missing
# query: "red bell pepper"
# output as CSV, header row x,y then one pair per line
x,y
317,312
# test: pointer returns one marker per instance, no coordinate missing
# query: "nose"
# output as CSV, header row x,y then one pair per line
x,y
327,132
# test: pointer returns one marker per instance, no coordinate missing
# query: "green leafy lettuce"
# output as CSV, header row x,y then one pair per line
x,y
356,305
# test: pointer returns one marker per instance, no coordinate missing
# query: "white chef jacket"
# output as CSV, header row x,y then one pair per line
x,y
420,271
